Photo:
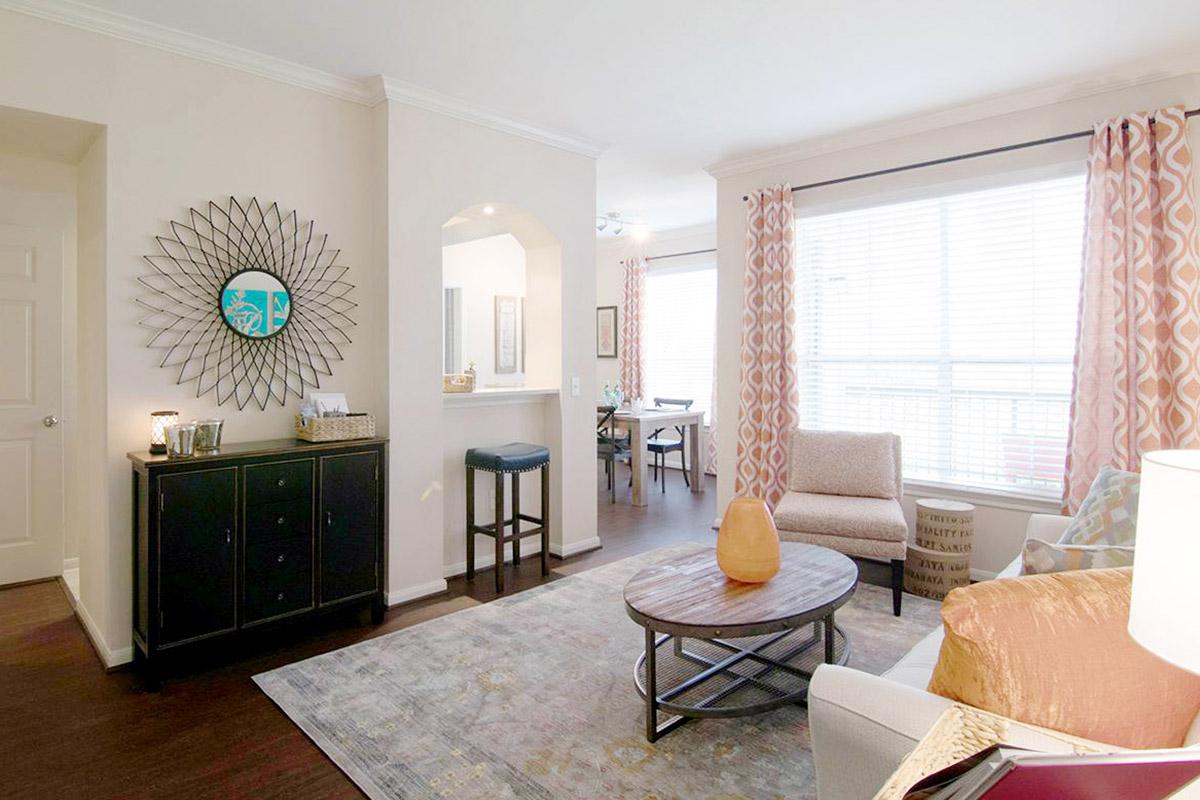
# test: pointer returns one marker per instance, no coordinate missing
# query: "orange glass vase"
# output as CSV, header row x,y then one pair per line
x,y
748,543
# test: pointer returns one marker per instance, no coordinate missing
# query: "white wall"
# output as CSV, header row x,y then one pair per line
x,y
484,269
1000,524
437,166
179,133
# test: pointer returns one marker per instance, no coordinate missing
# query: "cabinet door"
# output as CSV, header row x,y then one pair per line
x,y
196,588
349,522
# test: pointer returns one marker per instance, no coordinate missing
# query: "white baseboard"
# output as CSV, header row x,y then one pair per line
x,y
109,657
575,548
410,593
70,579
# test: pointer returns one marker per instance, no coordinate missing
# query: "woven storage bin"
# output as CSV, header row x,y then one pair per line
x,y
945,525
335,429
932,573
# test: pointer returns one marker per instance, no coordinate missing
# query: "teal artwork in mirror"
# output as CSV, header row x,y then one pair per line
x,y
255,304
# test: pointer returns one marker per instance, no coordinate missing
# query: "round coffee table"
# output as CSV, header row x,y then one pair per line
x,y
736,648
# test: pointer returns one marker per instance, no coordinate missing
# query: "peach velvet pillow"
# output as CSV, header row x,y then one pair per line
x,y
1052,650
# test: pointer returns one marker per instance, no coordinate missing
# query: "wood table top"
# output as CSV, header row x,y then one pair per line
x,y
692,592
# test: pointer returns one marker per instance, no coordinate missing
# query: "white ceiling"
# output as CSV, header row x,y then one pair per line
x,y
673,85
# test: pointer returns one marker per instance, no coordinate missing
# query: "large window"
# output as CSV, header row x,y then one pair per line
x,y
950,321
680,320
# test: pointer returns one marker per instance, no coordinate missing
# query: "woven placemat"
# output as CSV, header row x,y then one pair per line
x,y
961,732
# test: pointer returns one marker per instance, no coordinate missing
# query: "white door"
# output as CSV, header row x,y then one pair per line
x,y
31,447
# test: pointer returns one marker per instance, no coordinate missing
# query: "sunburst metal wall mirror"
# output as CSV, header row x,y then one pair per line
x,y
248,303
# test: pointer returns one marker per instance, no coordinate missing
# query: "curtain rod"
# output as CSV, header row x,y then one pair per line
x,y
677,255
961,157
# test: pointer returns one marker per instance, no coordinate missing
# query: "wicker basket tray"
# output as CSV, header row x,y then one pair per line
x,y
335,429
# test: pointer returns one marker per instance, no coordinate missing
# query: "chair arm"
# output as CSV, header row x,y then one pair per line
x,y
862,727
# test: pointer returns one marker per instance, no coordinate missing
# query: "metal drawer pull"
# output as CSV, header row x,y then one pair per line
x,y
279,521
279,596
280,482
279,558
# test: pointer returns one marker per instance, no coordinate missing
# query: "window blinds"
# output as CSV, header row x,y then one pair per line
x,y
679,335
950,321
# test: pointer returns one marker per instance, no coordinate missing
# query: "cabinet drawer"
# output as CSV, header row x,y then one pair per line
x,y
278,578
289,519
284,480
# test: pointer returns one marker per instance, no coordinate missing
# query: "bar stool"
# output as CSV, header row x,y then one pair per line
x,y
510,459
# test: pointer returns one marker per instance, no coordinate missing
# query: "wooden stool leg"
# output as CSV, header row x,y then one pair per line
x,y
470,523
516,517
499,528
546,519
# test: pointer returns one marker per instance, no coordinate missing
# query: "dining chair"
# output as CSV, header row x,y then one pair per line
x,y
660,446
610,448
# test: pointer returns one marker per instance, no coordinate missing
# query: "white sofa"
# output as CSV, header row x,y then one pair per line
x,y
863,725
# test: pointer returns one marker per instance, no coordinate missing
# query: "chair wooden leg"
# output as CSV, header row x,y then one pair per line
x,y
470,523
897,584
499,528
663,489
546,519
516,518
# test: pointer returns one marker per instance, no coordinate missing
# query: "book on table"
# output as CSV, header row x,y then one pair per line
x,y
1001,772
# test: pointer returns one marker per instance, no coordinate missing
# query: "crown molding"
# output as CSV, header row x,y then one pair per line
x,y
394,89
131,29
368,92
996,106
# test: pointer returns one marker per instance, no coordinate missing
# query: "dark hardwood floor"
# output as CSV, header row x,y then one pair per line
x,y
69,730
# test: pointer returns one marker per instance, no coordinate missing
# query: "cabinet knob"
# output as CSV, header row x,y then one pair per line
x,y
280,482
279,558
279,596
228,536
329,519
279,521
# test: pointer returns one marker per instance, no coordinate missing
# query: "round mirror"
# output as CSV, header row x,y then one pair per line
x,y
255,303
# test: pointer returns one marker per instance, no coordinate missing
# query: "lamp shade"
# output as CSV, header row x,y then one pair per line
x,y
1164,612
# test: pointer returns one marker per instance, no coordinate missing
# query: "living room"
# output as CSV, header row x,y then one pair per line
x,y
888,318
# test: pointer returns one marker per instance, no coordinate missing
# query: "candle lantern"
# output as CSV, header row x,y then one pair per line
x,y
159,421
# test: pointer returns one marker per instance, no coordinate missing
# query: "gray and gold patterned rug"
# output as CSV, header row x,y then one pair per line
x,y
532,696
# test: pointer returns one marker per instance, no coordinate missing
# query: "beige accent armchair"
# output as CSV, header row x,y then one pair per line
x,y
844,493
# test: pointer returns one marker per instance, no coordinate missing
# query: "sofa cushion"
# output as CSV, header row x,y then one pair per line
x,y
1040,557
916,667
852,464
1053,650
1108,515
835,515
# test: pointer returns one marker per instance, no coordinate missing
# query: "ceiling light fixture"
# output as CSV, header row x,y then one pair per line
x,y
640,232
489,210
612,221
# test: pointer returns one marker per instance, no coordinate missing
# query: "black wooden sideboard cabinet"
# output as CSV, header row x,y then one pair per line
x,y
254,535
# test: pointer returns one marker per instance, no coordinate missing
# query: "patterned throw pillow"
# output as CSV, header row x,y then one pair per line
x,y
1108,515
1040,557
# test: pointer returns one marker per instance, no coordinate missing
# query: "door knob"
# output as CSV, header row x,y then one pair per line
x,y
50,421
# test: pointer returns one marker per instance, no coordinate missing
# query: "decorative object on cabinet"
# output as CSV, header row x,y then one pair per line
x,y
208,434
459,383
259,533
606,332
224,290
159,422
335,429
508,327
181,440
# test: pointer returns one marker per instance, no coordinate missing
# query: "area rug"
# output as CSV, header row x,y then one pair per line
x,y
531,696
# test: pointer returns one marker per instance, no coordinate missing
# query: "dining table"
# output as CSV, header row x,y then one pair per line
x,y
642,425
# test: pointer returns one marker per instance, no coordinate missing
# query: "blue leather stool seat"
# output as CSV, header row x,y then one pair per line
x,y
513,457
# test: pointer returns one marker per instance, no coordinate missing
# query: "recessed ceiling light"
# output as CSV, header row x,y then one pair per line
x,y
489,210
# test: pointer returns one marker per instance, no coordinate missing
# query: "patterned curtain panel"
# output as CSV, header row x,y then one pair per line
x,y
767,407
1137,382
632,359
